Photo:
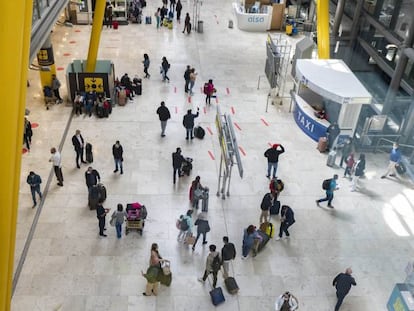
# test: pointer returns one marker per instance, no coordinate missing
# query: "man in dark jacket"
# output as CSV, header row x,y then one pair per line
x,y
188,122
117,152
287,218
332,133
267,202
177,161
101,214
164,115
228,252
343,283
92,177
272,155
34,181
187,78
202,228
78,144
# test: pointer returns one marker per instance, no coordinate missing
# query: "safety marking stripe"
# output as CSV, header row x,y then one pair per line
x,y
232,110
216,100
77,30
24,150
34,125
66,54
72,42
211,155
238,127
176,109
189,99
270,144
242,151
205,110
60,68
228,91
264,122
209,130
175,89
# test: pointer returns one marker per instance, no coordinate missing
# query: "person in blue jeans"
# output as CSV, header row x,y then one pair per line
x,y
119,217
329,192
118,152
272,155
34,181
249,237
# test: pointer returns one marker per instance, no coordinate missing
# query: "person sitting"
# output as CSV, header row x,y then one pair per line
x,y
321,114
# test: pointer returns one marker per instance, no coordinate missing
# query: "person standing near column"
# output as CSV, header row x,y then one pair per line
x,y
57,165
55,87
78,144
272,155
117,152
178,8
287,218
188,122
228,252
343,283
177,161
163,115
34,181
101,214
358,171
395,158
329,185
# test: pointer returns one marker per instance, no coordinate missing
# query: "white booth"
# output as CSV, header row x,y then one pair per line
x,y
259,21
329,85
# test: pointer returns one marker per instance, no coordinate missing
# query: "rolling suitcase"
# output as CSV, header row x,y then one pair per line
x,y
102,192
230,24
93,197
115,24
122,97
199,132
148,20
274,208
322,144
88,153
400,168
217,296
231,285
331,158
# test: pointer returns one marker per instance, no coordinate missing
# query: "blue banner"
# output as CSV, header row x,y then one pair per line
x,y
308,124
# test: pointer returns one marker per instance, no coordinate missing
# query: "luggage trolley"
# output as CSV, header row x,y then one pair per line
x,y
136,217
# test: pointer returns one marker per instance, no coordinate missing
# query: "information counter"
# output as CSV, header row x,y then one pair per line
x,y
329,85
252,21
401,298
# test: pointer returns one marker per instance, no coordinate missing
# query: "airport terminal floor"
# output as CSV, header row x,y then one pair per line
x,y
70,267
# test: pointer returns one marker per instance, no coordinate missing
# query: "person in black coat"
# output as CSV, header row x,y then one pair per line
x,y
165,66
202,228
178,8
332,133
287,219
187,78
272,155
92,177
28,133
343,283
78,144
101,214
188,122
359,168
164,115
177,161
117,152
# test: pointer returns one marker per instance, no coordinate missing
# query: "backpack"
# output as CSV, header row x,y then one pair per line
x,y
278,185
216,263
326,184
184,224
205,89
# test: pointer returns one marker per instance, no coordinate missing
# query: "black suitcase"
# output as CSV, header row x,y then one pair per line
x,y
217,296
265,239
93,198
274,209
100,112
199,132
400,168
88,153
102,192
148,20
231,285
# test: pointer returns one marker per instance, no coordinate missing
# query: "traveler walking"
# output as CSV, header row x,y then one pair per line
x,y
146,63
193,77
272,155
202,228
213,263
358,171
228,253
343,283
165,66
267,202
55,87
185,225
79,144
196,191
164,115
188,123
346,150
178,8
28,133
395,158
56,159
34,181
187,24
118,217
155,262
209,90
350,161
157,15
329,185
118,152
287,218
177,161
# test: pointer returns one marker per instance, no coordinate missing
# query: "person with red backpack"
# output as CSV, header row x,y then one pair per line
x,y
209,90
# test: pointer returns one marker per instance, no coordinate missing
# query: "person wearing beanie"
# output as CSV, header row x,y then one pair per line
x,y
272,155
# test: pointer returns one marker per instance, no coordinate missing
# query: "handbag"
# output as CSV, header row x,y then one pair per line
x,y
165,266
190,239
112,222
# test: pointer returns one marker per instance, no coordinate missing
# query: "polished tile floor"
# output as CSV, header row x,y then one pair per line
x,y
69,267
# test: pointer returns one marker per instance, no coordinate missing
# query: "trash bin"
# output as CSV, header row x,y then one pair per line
x,y
200,27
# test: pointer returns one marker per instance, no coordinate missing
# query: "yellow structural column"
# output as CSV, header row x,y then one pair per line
x,y
15,33
98,17
322,16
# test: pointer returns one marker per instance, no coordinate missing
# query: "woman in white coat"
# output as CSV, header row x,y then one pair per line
x,y
286,302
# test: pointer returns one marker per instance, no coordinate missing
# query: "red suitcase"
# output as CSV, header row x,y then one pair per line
x,y
322,144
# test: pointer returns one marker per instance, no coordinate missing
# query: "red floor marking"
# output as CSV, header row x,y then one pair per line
x,y
189,99
216,100
60,68
72,42
209,130
232,110
211,155
238,127
201,90
175,89
34,125
24,150
205,110
242,151
77,30
176,109
66,54
270,144
228,91
111,47
264,122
